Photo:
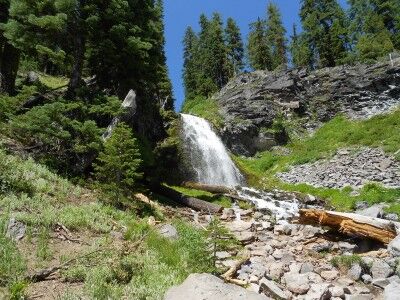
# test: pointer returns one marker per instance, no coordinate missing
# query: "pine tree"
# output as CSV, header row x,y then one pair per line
x,y
259,54
190,42
324,25
276,36
234,46
300,50
117,166
369,34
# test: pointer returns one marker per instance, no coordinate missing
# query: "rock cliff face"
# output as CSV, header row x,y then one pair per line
x,y
251,102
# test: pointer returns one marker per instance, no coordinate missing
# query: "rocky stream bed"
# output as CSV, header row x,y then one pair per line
x,y
287,260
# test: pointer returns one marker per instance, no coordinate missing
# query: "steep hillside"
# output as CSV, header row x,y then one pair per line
x,y
102,252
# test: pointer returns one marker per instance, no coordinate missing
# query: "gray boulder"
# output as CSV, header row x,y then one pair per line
x,y
394,246
168,231
392,291
380,269
15,230
207,286
375,211
271,289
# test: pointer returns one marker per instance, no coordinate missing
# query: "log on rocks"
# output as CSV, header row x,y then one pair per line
x,y
352,224
196,204
214,189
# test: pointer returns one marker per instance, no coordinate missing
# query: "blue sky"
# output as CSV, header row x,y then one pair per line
x,y
182,13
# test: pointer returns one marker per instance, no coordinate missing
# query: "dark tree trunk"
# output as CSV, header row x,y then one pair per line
x,y
79,41
9,68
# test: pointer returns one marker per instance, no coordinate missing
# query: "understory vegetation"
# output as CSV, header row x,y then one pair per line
x,y
380,131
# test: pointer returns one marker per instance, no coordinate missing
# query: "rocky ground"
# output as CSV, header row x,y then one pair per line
x,y
348,167
292,261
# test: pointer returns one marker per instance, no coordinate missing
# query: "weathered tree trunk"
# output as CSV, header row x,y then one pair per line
x,y
214,189
352,224
191,202
79,51
9,68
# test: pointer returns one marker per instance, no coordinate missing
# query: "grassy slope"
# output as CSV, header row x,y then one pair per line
x,y
120,267
381,131
205,108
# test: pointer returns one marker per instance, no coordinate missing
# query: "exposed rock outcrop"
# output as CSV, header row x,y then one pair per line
x,y
251,102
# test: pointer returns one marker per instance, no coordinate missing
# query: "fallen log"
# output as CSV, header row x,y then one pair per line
x,y
214,189
352,224
196,204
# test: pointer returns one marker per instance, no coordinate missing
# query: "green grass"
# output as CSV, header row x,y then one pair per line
x,y
52,82
346,261
205,108
206,196
380,131
40,199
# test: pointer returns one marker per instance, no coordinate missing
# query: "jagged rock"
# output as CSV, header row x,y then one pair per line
x,y
207,286
168,231
380,269
381,282
392,291
346,247
271,289
337,291
297,283
319,291
250,102
391,217
394,246
366,278
276,270
15,230
375,211
329,275
355,272
222,254
306,268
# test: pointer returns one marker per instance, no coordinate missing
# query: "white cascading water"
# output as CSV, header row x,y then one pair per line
x,y
213,165
208,156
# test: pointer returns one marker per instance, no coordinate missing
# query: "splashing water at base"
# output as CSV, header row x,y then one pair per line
x,y
208,156
212,165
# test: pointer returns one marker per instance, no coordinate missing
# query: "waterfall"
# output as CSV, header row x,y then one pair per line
x,y
208,156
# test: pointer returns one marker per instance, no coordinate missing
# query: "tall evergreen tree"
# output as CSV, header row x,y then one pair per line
x,y
324,26
259,53
190,42
9,54
300,50
276,36
370,35
234,46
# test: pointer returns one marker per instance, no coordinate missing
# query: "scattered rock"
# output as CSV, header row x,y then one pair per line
x,y
359,297
306,268
392,291
394,246
15,230
207,286
355,272
319,291
329,275
366,278
271,289
297,283
380,269
375,211
168,231
31,78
